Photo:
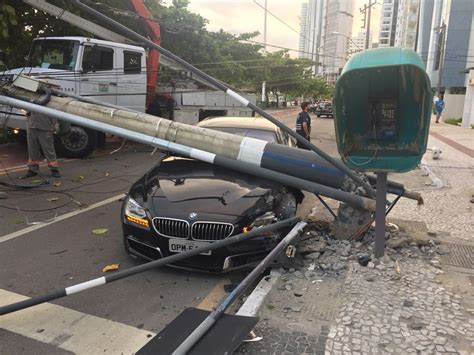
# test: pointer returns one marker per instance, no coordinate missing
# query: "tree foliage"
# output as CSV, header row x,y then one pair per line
x,y
224,56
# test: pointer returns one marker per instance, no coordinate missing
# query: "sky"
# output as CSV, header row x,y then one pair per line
x,y
241,16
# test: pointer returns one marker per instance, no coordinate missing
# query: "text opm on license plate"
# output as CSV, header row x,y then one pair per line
x,y
179,246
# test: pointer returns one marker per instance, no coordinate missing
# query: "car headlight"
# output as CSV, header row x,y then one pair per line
x,y
136,214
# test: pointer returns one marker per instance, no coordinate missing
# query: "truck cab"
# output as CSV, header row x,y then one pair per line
x,y
107,71
114,73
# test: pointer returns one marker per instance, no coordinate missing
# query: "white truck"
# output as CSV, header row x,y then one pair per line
x,y
115,73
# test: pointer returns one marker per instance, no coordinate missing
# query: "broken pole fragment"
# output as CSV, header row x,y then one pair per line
x,y
144,267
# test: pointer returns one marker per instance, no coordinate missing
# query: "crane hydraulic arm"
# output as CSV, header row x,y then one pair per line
x,y
153,59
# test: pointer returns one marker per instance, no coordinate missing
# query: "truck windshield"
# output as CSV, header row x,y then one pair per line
x,y
54,54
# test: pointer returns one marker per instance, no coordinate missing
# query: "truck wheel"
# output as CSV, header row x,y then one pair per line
x,y
78,143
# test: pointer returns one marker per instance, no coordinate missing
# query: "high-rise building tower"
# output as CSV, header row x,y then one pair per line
x,y
338,29
304,32
311,31
326,26
388,23
407,23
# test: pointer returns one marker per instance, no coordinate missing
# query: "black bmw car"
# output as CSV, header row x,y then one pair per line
x,y
182,203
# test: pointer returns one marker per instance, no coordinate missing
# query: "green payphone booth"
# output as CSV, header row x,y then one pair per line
x,y
382,114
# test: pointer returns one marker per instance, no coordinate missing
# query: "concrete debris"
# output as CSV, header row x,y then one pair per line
x,y
324,255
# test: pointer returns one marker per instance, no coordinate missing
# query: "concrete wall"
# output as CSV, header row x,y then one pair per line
x,y
468,115
454,106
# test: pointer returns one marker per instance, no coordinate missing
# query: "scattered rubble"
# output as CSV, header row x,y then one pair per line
x,y
324,255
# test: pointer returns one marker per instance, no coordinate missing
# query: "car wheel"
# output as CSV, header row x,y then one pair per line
x,y
318,115
78,143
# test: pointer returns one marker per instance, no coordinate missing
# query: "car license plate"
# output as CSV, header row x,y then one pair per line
x,y
179,246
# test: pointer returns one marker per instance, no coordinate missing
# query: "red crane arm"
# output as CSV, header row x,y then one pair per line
x,y
153,30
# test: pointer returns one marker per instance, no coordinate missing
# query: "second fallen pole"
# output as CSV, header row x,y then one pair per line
x,y
199,332
141,268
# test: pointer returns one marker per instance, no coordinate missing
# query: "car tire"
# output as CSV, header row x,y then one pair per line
x,y
78,143
318,115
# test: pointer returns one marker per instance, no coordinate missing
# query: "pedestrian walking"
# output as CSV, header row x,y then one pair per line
x,y
303,124
439,107
39,134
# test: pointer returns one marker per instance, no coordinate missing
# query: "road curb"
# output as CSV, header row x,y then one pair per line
x,y
254,301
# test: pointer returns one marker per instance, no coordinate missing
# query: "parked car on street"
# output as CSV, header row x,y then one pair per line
x,y
324,109
181,204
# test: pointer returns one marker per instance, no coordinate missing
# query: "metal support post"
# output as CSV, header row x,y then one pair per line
x,y
326,205
380,199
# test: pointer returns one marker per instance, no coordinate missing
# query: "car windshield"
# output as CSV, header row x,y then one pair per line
x,y
54,54
261,134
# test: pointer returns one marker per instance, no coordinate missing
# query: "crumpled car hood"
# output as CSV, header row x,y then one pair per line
x,y
178,187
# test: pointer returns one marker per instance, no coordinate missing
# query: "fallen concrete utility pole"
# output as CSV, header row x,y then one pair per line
x,y
287,160
220,85
199,332
223,161
326,173
144,267
290,161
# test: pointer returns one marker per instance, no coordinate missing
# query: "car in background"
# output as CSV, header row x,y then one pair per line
x,y
182,203
324,109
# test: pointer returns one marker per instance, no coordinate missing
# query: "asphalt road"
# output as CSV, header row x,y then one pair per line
x,y
37,258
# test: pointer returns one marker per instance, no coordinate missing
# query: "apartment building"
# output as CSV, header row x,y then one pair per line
x,y
325,27
407,23
388,23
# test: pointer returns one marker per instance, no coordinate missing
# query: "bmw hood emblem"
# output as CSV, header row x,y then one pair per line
x,y
193,215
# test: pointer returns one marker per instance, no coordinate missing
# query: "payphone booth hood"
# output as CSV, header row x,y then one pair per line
x,y
382,110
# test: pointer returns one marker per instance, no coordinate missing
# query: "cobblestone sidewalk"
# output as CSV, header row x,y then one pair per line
x,y
410,313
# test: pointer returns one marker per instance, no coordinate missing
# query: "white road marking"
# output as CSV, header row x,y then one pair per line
x,y
58,219
72,330
253,303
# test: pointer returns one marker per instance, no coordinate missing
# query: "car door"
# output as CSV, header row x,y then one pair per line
x,y
98,73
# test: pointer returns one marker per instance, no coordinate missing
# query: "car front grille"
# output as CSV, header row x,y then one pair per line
x,y
172,228
211,230
178,228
